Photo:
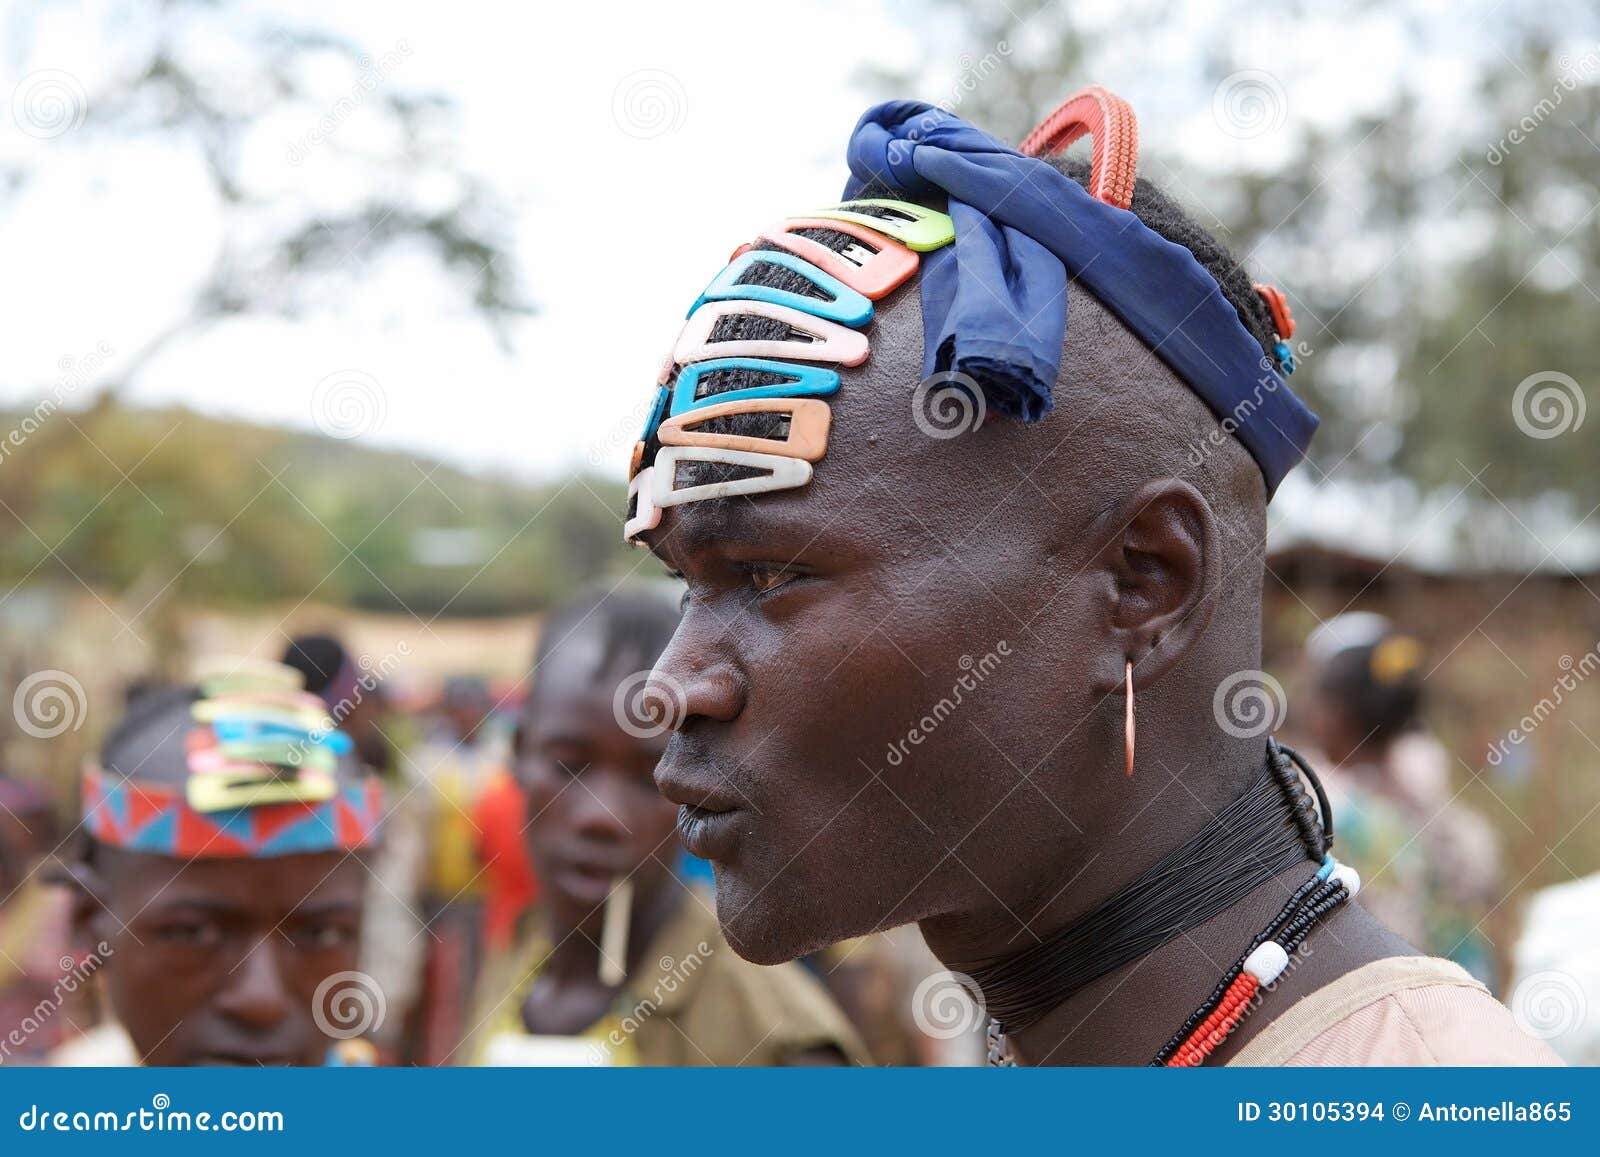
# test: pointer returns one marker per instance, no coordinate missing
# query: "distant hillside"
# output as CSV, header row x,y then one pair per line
x,y
151,505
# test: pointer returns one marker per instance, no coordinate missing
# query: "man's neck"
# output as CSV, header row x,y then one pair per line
x,y
1125,1016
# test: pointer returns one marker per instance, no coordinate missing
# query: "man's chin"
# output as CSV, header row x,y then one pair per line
x,y
763,927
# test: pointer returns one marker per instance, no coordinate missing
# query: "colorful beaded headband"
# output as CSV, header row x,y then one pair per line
x,y
833,264
262,762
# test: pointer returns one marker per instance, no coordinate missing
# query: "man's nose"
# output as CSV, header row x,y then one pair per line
x,y
256,995
696,680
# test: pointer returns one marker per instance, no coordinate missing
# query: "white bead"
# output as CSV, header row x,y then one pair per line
x,y
1349,877
1267,962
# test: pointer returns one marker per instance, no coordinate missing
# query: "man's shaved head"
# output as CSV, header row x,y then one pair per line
x,y
902,681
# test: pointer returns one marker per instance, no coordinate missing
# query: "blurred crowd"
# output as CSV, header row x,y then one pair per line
x,y
526,900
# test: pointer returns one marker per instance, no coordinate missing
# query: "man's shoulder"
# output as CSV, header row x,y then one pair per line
x,y
1400,1010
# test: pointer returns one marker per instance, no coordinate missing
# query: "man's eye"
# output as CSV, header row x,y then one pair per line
x,y
189,933
325,937
765,579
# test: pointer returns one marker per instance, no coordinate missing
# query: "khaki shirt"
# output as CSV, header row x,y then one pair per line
x,y
1405,1011
691,1001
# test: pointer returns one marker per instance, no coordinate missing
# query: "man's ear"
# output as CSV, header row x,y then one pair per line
x,y
86,887
1161,557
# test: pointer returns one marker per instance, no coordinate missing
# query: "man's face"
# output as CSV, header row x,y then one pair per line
x,y
876,668
595,813
217,961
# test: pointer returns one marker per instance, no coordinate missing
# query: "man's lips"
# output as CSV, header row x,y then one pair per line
x,y
711,835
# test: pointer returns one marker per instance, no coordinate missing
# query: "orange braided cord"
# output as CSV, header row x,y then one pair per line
x,y
1115,131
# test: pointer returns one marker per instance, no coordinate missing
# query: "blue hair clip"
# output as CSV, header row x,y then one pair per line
x,y
1285,357
798,382
243,729
658,410
842,304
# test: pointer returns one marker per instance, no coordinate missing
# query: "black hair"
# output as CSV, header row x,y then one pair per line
x,y
1154,207
1380,704
629,628
317,657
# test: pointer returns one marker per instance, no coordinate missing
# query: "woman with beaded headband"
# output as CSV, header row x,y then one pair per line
x,y
973,581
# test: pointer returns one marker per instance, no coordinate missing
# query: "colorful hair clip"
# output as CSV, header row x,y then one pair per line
x,y
781,474
841,303
873,264
911,225
288,713
658,410
636,459
1114,134
807,435
256,728
240,676
823,341
793,381
646,515
223,791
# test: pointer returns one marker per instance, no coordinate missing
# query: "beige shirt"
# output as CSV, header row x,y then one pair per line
x,y
1404,1010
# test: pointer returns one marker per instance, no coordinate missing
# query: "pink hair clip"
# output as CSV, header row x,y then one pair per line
x,y
807,434
872,264
780,474
823,341
647,515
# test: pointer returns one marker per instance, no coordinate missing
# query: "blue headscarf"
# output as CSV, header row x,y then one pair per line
x,y
994,304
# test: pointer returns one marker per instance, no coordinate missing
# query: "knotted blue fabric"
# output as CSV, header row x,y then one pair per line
x,y
994,304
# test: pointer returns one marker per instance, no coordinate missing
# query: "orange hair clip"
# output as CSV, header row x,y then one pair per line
x,y
1278,304
1109,120
874,266
809,420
